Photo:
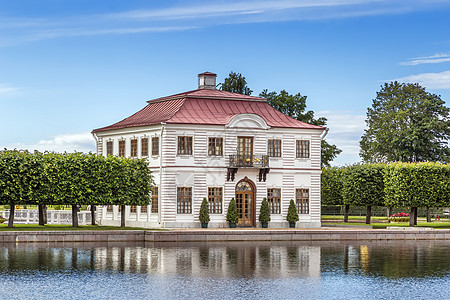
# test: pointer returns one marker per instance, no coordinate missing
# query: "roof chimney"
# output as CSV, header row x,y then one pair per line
x,y
207,81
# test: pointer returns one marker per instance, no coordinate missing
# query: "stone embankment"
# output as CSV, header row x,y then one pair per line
x,y
217,235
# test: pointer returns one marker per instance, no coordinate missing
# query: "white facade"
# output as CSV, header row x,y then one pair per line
x,y
200,171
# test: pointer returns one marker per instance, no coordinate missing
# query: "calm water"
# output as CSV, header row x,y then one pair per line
x,y
354,270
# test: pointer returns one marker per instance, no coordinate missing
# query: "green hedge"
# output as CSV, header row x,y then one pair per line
x,y
362,184
417,184
72,179
331,188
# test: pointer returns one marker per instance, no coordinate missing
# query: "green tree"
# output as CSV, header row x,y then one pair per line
x,y
406,123
264,213
331,188
292,215
363,186
232,215
235,83
204,212
417,185
295,107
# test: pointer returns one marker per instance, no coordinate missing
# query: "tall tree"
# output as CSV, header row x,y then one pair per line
x,y
235,83
295,107
406,123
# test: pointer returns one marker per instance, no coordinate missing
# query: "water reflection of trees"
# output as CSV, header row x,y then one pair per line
x,y
392,259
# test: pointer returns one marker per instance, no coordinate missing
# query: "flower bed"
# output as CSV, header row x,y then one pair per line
x,y
2,220
400,217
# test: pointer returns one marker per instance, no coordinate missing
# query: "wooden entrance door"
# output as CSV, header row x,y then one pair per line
x,y
245,202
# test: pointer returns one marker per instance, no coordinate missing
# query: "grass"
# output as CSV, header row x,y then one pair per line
x,y
339,217
436,225
35,227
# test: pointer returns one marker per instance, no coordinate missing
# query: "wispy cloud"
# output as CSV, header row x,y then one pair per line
x,y
80,142
198,14
433,59
430,80
346,129
6,89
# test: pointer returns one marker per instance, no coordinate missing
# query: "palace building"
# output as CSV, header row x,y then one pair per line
x,y
217,145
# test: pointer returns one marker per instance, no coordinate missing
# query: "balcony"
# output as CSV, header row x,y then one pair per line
x,y
248,161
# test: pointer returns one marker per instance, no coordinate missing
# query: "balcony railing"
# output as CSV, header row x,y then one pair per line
x,y
248,161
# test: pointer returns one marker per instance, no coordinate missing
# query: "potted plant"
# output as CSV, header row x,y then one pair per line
x,y
264,213
204,213
232,216
2,220
292,215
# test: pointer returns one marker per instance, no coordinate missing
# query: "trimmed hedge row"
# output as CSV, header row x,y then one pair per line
x,y
423,184
72,179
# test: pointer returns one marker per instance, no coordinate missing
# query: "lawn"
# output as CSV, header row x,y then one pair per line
x,y
35,227
436,225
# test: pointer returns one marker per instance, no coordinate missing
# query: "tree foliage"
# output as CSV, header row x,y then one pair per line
x,y
72,179
204,212
331,193
292,215
264,214
418,184
363,185
232,215
406,123
235,83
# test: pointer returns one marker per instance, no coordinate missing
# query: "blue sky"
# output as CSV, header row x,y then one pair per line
x,y
67,67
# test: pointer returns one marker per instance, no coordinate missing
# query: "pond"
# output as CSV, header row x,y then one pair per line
x,y
284,270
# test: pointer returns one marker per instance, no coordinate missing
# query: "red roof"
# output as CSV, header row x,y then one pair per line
x,y
206,107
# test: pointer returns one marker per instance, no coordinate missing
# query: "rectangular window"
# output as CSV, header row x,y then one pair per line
x,y
274,199
155,200
184,200
122,148
134,148
302,200
133,208
109,148
109,208
185,145
155,145
144,147
215,146
144,209
215,200
274,148
302,149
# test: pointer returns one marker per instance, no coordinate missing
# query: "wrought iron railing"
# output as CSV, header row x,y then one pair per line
x,y
248,161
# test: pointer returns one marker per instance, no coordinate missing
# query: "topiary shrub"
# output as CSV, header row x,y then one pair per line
x,y
264,213
204,212
292,215
232,215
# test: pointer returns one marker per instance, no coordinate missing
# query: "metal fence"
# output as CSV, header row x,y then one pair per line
x,y
31,216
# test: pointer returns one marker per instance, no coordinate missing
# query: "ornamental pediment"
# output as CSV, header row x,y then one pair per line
x,y
248,121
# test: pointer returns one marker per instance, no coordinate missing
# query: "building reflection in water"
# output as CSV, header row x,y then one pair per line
x,y
218,260
229,260
237,260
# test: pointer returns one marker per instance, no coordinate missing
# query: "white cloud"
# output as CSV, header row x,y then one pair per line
x,y
433,59
430,80
199,14
6,89
79,142
346,129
